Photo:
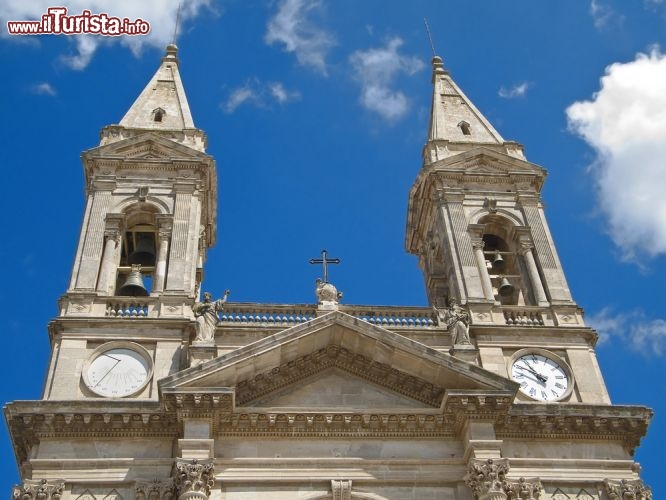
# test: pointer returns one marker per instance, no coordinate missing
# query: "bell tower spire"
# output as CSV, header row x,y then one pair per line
x,y
475,217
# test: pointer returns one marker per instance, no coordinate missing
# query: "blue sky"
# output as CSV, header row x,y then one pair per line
x,y
316,112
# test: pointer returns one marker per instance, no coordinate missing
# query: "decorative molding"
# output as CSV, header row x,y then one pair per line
x,y
194,478
486,478
627,489
39,490
341,489
155,489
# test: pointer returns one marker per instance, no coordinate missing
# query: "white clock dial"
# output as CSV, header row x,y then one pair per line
x,y
541,376
118,371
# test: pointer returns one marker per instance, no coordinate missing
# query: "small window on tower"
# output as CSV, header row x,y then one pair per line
x,y
465,128
158,114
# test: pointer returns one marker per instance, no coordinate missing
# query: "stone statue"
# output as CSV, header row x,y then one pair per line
x,y
457,321
206,316
327,293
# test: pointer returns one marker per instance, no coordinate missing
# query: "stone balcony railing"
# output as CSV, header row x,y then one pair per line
x,y
243,314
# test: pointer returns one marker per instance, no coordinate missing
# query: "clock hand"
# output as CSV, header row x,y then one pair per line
x,y
109,371
109,356
540,377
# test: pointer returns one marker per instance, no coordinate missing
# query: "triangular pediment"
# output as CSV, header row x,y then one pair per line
x,y
147,146
282,366
486,161
335,388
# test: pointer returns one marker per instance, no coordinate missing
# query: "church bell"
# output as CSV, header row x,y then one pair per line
x,y
505,288
498,261
133,285
144,252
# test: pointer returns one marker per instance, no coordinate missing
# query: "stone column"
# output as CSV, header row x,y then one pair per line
x,y
163,236
486,285
486,478
112,236
193,479
537,286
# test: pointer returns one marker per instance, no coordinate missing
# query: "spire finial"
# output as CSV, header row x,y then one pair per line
x,y
432,45
176,26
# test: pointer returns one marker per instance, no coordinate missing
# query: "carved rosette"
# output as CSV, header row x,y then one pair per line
x,y
627,490
39,490
523,489
155,489
486,478
194,479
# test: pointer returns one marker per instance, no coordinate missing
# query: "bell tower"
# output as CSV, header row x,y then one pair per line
x,y
149,218
150,212
476,220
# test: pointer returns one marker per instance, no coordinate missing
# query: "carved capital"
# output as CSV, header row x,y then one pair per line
x,y
523,489
39,490
477,243
627,490
486,478
155,489
194,478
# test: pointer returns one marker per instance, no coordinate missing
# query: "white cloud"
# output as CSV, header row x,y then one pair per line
x,y
159,14
516,90
602,14
292,27
44,88
260,95
632,329
376,69
625,123
281,94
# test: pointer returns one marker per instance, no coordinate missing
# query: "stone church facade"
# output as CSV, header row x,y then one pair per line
x,y
153,392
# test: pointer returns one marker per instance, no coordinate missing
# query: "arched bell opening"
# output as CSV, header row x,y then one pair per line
x,y
138,251
505,266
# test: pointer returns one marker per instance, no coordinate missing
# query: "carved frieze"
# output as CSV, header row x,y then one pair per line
x,y
39,490
627,490
523,489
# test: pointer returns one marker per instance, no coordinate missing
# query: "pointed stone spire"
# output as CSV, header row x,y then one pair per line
x,y
456,125
161,107
164,92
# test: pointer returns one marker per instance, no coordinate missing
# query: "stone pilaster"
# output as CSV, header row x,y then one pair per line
x,y
627,489
341,489
193,479
39,490
486,478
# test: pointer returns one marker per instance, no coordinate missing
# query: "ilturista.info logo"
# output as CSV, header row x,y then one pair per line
x,y
56,22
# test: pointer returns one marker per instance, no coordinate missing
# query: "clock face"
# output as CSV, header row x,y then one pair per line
x,y
541,376
118,371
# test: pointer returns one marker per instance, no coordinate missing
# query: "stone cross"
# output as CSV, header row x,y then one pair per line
x,y
325,261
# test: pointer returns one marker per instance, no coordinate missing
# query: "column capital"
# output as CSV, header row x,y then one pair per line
x,y
193,478
486,478
523,489
627,488
39,490
154,489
